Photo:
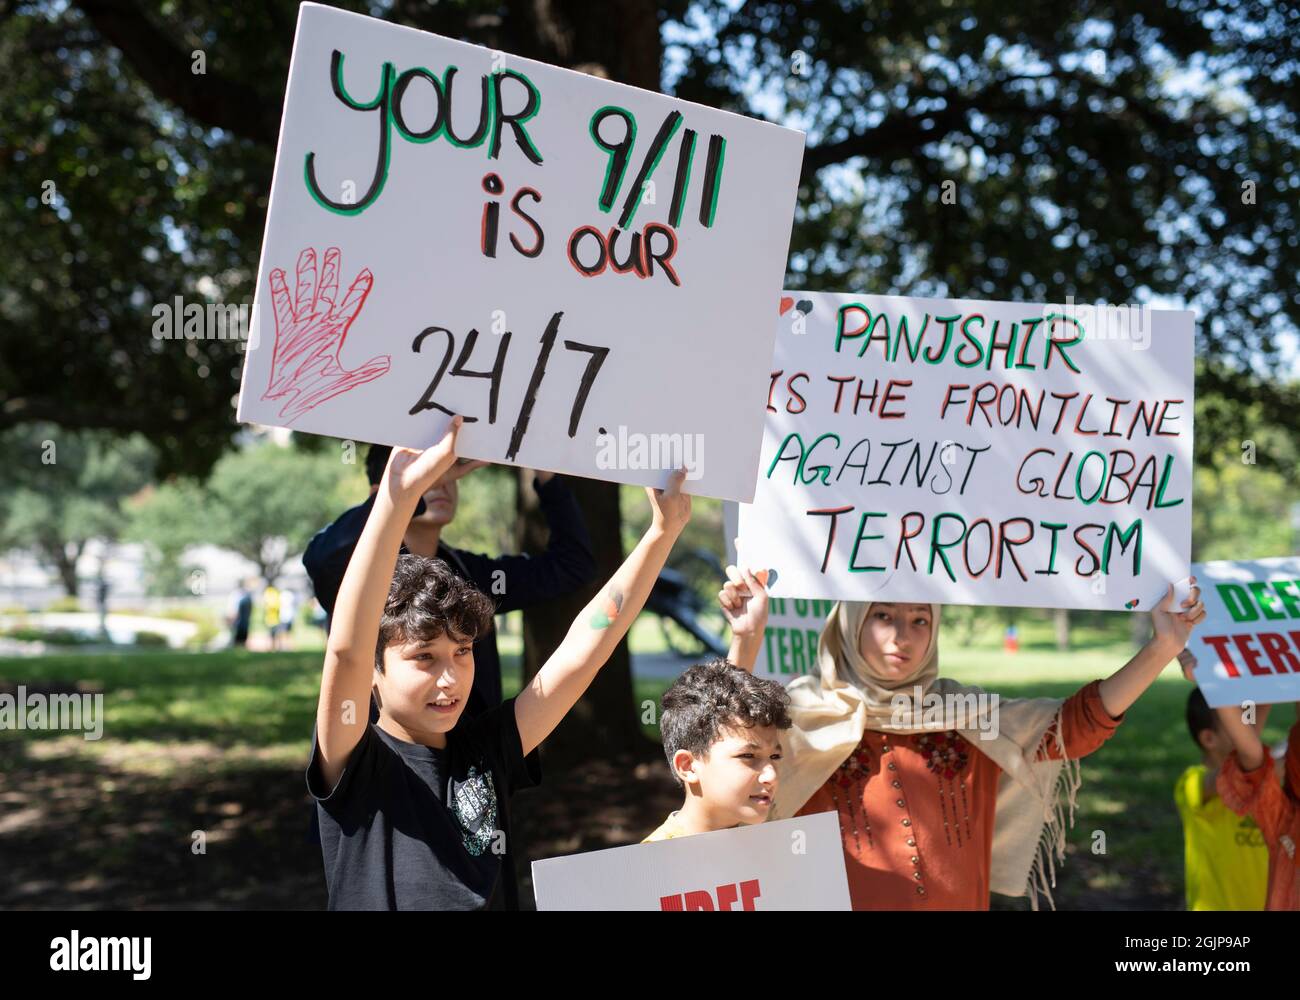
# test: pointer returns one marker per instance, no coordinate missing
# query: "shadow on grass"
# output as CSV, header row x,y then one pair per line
x,y
217,743
77,834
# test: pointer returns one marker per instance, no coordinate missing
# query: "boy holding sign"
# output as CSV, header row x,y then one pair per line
x,y
721,728
414,809
1225,857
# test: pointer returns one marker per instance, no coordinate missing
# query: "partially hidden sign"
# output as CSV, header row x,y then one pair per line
x,y
793,864
584,270
968,452
1248,647
794,628
794,624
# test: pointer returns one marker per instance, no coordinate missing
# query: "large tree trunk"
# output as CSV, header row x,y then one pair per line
x,y
619,41
1061,616
606,717
65,564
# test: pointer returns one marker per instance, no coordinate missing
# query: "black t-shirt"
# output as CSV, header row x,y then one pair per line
x,y
410,827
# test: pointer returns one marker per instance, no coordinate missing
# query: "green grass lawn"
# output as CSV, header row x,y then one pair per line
x,y
193,717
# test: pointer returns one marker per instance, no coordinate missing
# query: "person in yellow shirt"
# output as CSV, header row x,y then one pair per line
x,y
271,613
1225,858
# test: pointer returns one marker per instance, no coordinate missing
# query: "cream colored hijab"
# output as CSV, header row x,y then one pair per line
x,y
831,711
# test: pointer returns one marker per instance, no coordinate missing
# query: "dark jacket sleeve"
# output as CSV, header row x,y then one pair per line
x,y
330,550
328,553
515,582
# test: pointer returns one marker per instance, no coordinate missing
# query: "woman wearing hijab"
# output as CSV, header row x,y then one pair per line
x,y
941,803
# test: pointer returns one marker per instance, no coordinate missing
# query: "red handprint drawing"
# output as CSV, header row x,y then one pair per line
x,y
310,328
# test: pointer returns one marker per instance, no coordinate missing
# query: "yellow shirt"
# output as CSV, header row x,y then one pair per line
x,y
271,606
1226,859
667,830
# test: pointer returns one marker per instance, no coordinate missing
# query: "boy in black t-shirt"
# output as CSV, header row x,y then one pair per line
x,y
414,808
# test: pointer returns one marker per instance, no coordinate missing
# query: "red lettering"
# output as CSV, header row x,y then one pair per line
x,y
1279,653
1251,656
789,384
700,900
1220,644
890,397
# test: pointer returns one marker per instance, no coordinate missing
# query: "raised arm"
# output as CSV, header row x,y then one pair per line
x,y
1171,631
743,599
1251,752
350,650
1249,788
1187,660
600,626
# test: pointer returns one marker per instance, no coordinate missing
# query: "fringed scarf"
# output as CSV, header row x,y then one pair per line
x,y
833,709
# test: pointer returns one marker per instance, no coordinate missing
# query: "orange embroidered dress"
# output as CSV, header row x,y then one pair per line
x,y
917,810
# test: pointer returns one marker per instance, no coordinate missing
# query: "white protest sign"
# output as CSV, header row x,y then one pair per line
x,y
792,864
584,270
789,649
794,625
1248,647
964,452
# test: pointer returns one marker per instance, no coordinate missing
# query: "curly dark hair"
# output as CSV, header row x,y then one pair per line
x,y
427,600
713,696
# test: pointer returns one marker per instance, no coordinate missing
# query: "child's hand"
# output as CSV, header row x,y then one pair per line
x,y
412,473
1187,660
743,599
671,507
462,467
1174,628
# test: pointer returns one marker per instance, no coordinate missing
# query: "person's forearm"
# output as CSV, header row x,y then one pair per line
x,y
744,651
1245,740
594,633
361,597
1122,688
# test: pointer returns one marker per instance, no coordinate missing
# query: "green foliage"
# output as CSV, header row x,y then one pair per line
x,y
263,502
485,511
167,519
1093,150
62,488
1034,151
267,493
1242,513
50,636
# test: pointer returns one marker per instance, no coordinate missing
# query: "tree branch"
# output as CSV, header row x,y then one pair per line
x,y
209,98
